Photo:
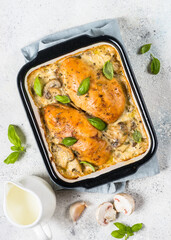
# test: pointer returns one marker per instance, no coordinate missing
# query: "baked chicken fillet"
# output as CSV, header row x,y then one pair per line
x,y
105,98
63,121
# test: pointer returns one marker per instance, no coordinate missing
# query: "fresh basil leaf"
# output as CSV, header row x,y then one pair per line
x,y
12,158
117,234
155,65
87,163
145,48
108,70
129,231
137,136
121,226
84,86
69,141
38,86
97,123
18,149
14,148
62,99
136,227
13,136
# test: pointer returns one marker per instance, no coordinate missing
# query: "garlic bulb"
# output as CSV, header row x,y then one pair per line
x,y
76,210
105,213
124,202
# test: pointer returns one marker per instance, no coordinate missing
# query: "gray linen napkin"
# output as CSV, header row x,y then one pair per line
x,y
102,27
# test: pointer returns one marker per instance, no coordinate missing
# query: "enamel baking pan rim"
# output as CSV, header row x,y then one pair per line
x,y
37,116
59,50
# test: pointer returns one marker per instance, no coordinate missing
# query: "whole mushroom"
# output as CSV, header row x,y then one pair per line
x,y
105,213
125,203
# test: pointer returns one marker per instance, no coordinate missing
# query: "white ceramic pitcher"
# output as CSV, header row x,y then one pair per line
x,y
30,204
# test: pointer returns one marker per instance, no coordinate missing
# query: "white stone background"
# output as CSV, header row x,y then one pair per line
x,y
141,22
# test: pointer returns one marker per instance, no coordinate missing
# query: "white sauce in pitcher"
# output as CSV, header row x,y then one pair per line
x,y
22,206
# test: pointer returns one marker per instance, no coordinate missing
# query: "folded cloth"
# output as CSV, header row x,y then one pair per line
x,y
98,28
103,27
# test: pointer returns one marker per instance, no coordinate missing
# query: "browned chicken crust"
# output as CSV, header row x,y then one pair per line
x,y
63,121
105,98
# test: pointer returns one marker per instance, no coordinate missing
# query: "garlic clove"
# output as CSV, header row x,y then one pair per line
x,y
125,203
76,210
105,213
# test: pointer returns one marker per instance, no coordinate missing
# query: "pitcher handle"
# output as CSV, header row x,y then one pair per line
x,y
43,231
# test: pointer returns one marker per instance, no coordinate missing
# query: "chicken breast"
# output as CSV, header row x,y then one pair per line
x,y
63,121
105,98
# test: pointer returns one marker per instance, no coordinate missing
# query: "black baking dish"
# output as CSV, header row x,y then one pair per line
x,y
60,50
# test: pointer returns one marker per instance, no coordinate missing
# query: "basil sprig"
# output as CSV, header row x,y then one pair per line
x,y
17,148
145,48
62,99
137,136
155,65
97,123
125,231
108,70
38,86
87,163
84,86
69,141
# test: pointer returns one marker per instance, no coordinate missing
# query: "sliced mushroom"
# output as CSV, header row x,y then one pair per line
x,y
74,168
87,169
116,66
51,89
123,148
117,133
76,210
124,202
62,155
133,125
105,213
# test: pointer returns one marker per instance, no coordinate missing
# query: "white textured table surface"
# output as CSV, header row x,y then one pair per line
x,y
141,22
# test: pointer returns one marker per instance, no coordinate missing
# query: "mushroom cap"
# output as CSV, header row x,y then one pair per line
x,y
76,210
105,213
124,202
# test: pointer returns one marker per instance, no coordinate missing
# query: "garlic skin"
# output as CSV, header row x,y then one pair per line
x,y
105,213
76,210
125,203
